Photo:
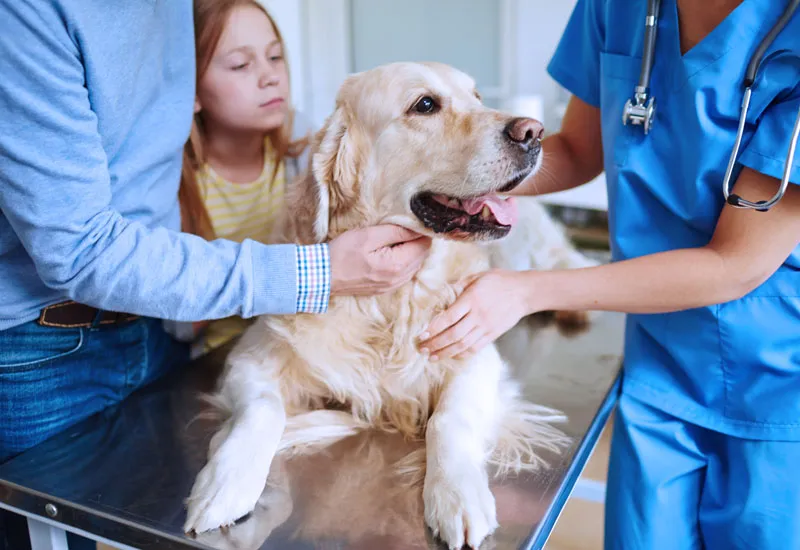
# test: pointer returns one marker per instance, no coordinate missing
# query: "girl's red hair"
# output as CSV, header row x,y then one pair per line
x,y
210,18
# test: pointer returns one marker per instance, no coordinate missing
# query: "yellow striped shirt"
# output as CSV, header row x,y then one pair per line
x,y
240,211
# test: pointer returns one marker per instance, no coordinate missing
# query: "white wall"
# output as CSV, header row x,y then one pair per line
x,y
537,27
288,15
539,24
327,28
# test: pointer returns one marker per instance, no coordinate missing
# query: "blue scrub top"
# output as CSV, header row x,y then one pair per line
x,y
734,367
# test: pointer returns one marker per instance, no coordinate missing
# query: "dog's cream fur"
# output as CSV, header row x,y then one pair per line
x,y
310,380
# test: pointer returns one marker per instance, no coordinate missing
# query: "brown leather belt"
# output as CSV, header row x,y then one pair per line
x,y
75,315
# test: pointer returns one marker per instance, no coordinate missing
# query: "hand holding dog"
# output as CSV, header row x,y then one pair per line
x,y
491,304
375,260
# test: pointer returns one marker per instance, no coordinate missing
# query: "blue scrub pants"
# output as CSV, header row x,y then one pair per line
x,y
674,485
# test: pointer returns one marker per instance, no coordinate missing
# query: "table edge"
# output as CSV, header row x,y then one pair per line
x,y
539,536
35,502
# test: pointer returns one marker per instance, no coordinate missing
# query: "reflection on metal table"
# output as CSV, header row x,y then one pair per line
x,y
122,475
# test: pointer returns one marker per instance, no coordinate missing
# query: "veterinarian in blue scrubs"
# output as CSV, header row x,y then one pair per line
x,y
706,444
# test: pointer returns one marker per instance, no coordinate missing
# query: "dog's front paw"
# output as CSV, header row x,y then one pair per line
x,y
224,491
273,508
459,507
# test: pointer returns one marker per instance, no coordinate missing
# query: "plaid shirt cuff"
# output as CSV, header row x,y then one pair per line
x,y
313,278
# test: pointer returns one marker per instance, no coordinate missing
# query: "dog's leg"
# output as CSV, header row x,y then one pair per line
x,y
459,506
241,453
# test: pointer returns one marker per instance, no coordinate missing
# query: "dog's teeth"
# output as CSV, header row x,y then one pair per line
x,y
486,213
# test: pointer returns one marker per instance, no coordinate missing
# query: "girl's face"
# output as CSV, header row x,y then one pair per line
x,y
246,85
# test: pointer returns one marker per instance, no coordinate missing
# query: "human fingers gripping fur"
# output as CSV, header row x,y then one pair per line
x,y
493,303
483,341
445,320
461,346
453,335
365,264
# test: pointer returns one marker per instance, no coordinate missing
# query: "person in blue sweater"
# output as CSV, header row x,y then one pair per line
x,y
96,104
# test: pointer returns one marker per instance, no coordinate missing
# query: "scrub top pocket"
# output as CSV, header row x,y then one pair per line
x,y
619,76
760,345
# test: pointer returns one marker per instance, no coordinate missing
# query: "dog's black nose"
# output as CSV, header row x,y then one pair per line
x,y
526,132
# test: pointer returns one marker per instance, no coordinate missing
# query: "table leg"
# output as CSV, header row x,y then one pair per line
x,y
46,537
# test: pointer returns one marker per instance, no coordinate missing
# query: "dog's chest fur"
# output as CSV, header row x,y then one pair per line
x,y
363,355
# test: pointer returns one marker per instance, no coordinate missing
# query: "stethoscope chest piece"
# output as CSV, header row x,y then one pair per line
x,y
640,110
640,113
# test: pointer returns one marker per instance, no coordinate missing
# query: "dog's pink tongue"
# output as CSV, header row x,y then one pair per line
x,y
504,211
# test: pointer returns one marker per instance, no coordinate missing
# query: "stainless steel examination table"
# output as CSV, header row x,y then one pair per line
x,y
122,476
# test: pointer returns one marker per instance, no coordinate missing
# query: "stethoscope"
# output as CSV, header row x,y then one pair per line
x,y
640,110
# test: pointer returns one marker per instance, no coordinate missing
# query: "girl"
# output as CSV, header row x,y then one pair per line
x,y
241,153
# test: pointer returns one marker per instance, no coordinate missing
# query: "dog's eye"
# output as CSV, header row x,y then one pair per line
x,y
426,106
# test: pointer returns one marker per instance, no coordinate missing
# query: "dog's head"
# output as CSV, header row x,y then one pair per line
x,y
412,144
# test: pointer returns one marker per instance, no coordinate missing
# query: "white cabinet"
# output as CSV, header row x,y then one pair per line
x,y
591,195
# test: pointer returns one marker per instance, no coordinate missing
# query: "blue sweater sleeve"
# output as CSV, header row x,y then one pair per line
x,y
55,192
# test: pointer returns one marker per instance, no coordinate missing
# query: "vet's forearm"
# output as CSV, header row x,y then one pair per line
x,y
572,156
658,283
562,169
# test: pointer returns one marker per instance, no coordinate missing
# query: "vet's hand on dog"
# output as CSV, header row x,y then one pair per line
x,y
375,260
490,305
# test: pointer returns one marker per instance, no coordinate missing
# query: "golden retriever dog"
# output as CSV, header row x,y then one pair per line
x,y
410,144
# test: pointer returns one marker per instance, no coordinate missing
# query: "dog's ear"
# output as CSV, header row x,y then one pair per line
x,y
330,185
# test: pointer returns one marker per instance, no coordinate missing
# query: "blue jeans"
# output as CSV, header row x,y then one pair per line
x,y
52,378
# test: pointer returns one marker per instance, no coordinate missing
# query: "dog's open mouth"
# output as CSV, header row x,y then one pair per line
x,y
485,216
478,217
